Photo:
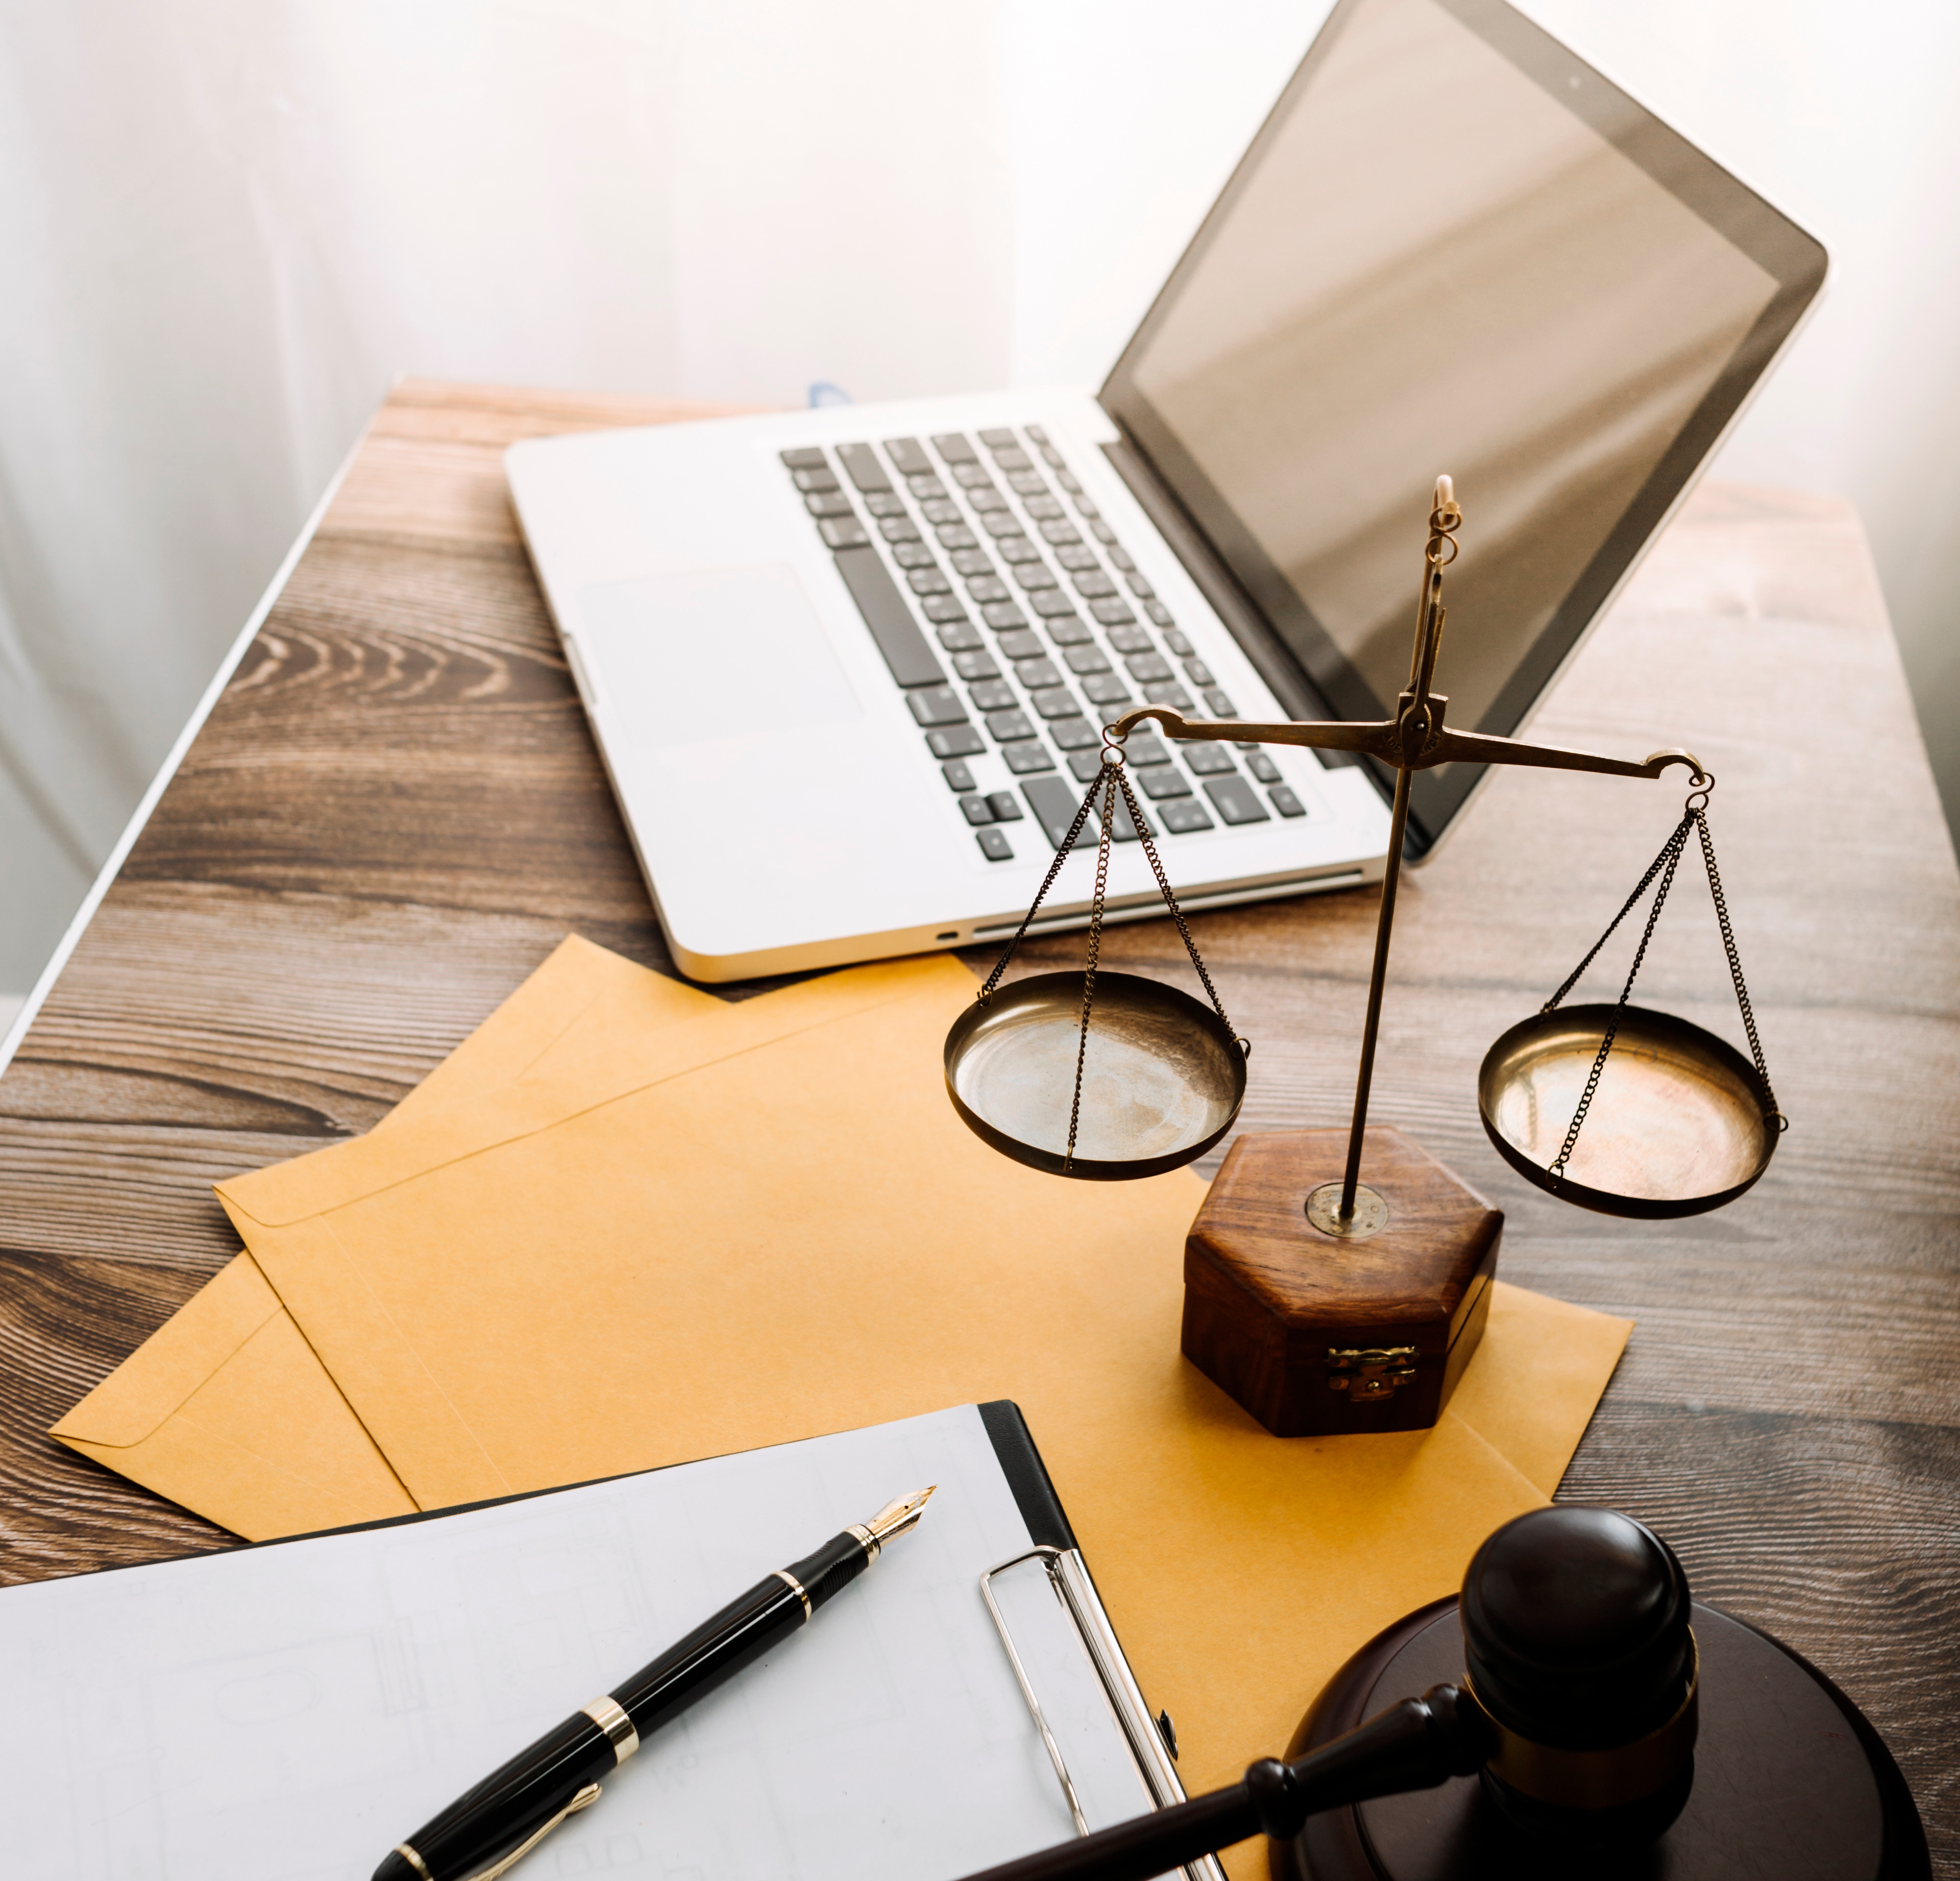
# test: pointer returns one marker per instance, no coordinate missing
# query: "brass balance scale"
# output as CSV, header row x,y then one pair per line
x,y
1109,1076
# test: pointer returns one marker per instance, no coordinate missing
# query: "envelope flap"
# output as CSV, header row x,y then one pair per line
x,y
594,1062
175,1360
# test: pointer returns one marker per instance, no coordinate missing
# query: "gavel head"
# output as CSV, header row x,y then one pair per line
x,y
1579,1653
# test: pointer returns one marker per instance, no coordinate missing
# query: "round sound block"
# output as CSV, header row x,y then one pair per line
x,y
1791,1784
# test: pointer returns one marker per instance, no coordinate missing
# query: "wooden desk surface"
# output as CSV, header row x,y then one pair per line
x,y
395,812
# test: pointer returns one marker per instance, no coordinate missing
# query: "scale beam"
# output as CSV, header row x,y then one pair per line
x,y
1388,739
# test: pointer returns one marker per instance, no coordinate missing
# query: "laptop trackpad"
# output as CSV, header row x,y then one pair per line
x,y
712,654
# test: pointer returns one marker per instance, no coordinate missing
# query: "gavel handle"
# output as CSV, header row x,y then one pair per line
x,y
1415,1745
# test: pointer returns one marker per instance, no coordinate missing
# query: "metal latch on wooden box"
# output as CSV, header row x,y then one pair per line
x,y
1367,1373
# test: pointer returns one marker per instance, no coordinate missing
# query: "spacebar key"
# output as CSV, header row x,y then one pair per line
x,y
889,618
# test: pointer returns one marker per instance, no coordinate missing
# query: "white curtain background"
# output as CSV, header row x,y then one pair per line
x,y
225,225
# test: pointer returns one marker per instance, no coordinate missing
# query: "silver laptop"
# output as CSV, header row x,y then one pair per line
x,y
849,667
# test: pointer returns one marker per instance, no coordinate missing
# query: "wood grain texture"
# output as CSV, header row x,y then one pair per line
x,y
1266,1297
395,812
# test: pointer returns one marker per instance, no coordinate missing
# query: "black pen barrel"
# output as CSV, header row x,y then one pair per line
x,y
519,1799
513,1801
741,1632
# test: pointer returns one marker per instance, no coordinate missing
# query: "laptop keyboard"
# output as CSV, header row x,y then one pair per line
x,y
1014,621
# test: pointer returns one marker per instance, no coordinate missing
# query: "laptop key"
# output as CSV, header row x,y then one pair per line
x,y
1085,507
988,588
1005,805
939,511
1013,458
953,447
1005,617
1111,611
956,536
1285,802
1001,523
887,504
1102,532
1141,588
943,607
1066,479
1092,582
993,696
827,503
1037,673
1067,630
909,455
931,579
1034,574
1087,660
1004,728
1030,755
971,477
972,561
954,741
1074,734
958,636
817,479
860,463
1054,804
1085,764
898,529
1235,800
1076,558
1219,702
1162,780
975,666
1106,689
1027,483
976,810
928,488
915,554
1185,817
959,776
1178,644
1207,760
1146,666
1121,557
1037,435
1016,548
841,531
890,620
995,847
1197,672
1168,693
1131,640
936,705
1055,702
999,438
1023,643
1044,508
1146,747
1264,768
803,457
986,498
1052,604
1160,613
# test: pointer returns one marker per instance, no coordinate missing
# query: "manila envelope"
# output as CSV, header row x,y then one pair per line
x,y
226,1408
742,1233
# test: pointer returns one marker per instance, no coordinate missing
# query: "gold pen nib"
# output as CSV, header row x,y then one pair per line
x,y
895,1518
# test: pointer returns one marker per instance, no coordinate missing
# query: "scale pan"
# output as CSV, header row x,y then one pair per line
x,y
1161,1084
1677,1126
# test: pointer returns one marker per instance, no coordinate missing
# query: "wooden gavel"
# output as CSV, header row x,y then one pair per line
x,y
1578,1707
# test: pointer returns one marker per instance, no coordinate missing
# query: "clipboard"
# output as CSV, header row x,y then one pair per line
x,y
291,1708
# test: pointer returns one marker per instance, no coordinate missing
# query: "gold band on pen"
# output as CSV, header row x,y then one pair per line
x,y
414,1861
610,1716
1599,1779
796,1587
870,1541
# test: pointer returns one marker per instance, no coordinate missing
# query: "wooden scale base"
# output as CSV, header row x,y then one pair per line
x,y
1317,1334
1790,1782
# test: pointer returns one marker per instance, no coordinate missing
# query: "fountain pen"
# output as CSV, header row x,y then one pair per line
x,y
488,1829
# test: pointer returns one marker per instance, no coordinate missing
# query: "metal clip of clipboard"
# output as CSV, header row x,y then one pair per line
x,y
1068,1577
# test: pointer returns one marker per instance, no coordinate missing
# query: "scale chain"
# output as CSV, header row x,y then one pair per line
x,y
1694,817
1108,780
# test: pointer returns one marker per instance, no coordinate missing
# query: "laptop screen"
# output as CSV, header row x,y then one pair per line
x,y
1453,248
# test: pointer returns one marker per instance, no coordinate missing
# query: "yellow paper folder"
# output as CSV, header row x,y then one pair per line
x,y
766,1223
226,1408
